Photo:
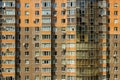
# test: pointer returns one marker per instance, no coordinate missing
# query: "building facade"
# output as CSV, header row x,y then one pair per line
x,y
59,39
7,40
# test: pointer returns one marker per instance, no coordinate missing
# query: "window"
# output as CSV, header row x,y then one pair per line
x,y
36,77
63,20
37,61
115,76
18,13
46,53
115,20
55,69
36,21
26,53
37,13
18,37
63,77
115,13
46,12
63,5
55,61
18,5
46,45
26,37
37,53
70,28
63,61
10,12
62,12
27,78
36,69
26,29
70,53
54,13
37,5
70,78
115,44
54,5
54,20
8,20
115,28
27,5
55,53
63,52
26,69
46,61
63,45
46,36
26,61
70,61
63,29
71,4
71,45
115,60
26,45
46,4
46,20
71,12
26,13
115,68
115,36
46,69
26,21
36,45
63,36
71,20
115,53
63,69
55,45
46,28
70,36
71,70
54,36
37,29
36,38
46,77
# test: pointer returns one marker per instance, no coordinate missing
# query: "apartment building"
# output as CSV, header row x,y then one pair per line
x,y
7,40
59,39
114,33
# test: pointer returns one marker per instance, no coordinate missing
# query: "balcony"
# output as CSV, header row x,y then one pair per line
x,y
7,21
7,4
102,4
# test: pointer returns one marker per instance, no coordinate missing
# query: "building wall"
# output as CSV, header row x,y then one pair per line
x,y
34,56
114,39
59,57
59,39
7,39
87,40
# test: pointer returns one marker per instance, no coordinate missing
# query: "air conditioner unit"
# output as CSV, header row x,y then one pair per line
x,y
114,55
23,44
34,38
7,49
34,21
